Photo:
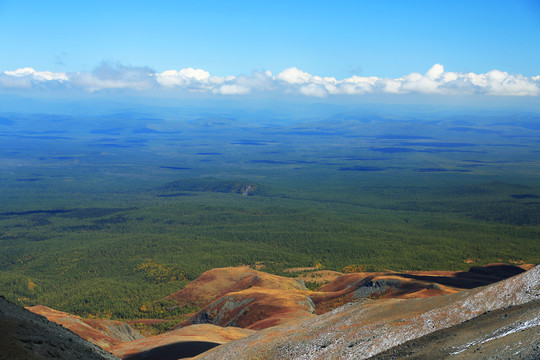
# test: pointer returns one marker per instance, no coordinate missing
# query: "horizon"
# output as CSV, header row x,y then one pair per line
x,y
346,53
350,151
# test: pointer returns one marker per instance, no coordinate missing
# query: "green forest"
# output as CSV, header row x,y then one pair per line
x,y
108,218
118,257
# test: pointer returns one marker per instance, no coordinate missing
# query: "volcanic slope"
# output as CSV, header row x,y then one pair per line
x,y
125,342
510,333
243,297
103,333
180,343
255,299
215,283
365,328
25,335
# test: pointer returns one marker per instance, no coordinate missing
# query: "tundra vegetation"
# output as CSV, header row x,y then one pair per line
x,y
105,216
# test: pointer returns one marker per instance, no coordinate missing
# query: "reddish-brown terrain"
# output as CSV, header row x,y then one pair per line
x,y
204,333
389,308
255,308
367,327
215,283
407,285
243,297
103,333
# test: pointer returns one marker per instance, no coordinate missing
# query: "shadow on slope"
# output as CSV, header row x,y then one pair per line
x,y
179,350
365,328
204,333
475,277
256,300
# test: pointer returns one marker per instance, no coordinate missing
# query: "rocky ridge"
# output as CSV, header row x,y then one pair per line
x,y
25,335
509,333
365,328
102,332
244,297
253,300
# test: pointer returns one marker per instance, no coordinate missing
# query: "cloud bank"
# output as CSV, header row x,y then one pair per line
x,y
292,81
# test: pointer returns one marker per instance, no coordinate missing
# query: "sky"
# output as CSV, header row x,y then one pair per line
x,y
315,49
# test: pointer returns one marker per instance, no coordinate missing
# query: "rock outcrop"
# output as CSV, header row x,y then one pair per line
x,y
243,297
509,333
366,327
255,308
25,335
387,314
104,333
407,285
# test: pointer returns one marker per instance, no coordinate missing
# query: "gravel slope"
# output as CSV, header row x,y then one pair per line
x,y
511,333
364,329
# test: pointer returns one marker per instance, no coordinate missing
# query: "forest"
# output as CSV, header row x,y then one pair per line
x,y
105,218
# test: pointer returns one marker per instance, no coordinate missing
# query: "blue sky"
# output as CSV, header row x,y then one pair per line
x,y
96,43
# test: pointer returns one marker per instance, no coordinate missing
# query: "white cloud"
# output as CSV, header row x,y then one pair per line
x,y
314,90
28,77
232,89
435,72
501,83
356,85
109,76
188,77
495,82
391,86
294,76
258,81
290,81
37,75
426,84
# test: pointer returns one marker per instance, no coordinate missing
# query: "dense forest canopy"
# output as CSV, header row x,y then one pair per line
x,y
105,216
